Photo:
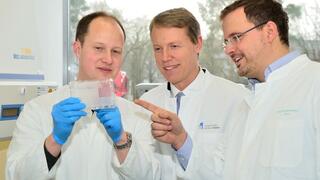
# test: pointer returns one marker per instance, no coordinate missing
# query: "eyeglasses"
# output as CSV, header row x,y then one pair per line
x,y
236,37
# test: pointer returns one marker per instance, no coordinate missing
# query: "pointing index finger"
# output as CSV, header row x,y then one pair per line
x,y
151,107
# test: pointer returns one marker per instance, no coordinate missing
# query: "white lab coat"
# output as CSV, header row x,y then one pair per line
x,y
208,99
280,138
88,152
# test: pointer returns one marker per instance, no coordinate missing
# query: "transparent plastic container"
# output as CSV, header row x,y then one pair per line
x,y
95,94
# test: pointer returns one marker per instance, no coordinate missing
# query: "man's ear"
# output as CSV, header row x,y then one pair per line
x,y
271,31
199,44
76,46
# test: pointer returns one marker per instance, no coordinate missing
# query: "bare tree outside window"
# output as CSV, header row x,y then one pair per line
x,y
305,28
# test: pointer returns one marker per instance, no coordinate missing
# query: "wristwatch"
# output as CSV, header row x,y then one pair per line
x,y
126,144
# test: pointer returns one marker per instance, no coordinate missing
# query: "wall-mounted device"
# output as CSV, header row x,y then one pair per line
x,y
10,111
13,95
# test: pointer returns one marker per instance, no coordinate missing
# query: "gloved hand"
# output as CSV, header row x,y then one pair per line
x,y
65,114
111,120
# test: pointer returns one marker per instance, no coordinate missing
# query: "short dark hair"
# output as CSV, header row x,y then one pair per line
x,y
259,11
179,18
83,25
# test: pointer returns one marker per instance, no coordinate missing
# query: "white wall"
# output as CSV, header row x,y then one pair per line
x,y
33,28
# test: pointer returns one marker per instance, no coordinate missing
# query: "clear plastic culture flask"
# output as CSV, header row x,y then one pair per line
x,y
95,94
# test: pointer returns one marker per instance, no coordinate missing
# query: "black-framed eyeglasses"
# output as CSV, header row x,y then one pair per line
x,y
236,37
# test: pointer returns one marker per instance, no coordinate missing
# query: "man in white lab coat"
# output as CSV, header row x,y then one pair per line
x,y
279,139
56,138
186,141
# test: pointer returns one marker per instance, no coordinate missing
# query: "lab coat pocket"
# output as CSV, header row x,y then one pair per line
x,y
208,134
208,140
209,137
282,143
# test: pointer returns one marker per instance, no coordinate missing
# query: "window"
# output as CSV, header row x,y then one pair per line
x,y
139,64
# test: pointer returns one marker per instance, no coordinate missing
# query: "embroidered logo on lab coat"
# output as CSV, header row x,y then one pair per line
x,y
205,125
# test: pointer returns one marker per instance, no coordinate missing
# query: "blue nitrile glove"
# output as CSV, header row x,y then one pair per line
x,y
111,120
65,114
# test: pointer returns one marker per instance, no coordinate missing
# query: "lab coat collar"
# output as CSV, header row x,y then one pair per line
x,y
278,64
284,71
291,67
195,85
